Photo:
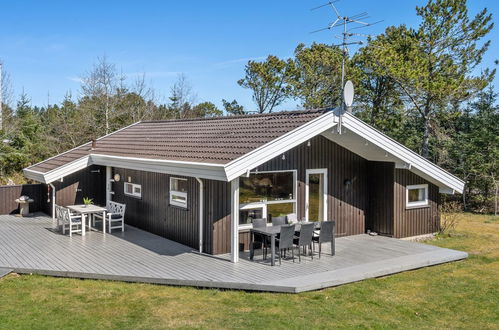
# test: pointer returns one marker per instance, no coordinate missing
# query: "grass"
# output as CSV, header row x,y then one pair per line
x,y
462,294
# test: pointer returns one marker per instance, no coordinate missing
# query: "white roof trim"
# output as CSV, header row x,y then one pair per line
x,y
280,145
406,155
195,169
65,152
58,172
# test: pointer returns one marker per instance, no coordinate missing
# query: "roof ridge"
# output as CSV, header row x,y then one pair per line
x,y
252,115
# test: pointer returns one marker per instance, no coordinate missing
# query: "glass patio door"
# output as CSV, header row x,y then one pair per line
x,y
316,195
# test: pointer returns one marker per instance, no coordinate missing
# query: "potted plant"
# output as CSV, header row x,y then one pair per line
x,y
87,201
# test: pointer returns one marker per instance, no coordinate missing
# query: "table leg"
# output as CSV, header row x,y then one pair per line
x,y
272,246
104,222
83,218
252,250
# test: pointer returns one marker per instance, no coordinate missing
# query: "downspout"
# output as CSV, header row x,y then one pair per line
x,y
201,213
53,200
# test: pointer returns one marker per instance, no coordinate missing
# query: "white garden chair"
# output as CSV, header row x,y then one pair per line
x,y
66,218
115,216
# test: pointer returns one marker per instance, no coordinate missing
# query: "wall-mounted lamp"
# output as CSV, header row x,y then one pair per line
x,y
347,182
283,157
308,143
117,177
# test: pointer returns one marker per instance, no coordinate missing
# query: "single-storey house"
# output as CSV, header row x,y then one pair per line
x,y
201,181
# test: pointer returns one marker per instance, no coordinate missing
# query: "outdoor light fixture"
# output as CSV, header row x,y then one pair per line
x,y
117,177
283,157
308,143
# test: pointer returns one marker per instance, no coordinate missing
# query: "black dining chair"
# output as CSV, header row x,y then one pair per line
x,y
260,241
326,234
305,239
278,221
285,241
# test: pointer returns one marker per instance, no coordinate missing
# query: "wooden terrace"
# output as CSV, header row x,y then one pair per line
x,y
32,245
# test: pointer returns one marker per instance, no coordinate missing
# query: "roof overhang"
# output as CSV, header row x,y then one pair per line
x,y
371,144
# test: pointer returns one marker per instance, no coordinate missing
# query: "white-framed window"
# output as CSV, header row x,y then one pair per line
x,y
266,193
132,189
416,195
178,192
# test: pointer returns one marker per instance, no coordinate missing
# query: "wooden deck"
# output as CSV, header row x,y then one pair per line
x,y
31,245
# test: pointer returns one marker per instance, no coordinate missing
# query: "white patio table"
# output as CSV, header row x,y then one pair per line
x,y
87,210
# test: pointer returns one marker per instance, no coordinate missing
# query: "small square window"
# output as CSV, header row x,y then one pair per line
x,y
417,195
178,192
132,189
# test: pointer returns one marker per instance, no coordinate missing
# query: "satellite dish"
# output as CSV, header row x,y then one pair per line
x,y
348,93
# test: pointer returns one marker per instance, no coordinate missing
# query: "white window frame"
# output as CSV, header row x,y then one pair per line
x,y
417,204
322,171
263,204
133,193
178,193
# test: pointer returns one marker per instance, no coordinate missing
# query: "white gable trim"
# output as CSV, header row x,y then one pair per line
x,y
280,145
414,161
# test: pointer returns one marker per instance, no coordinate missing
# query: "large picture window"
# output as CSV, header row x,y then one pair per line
x,y
417,195
178,192
266,195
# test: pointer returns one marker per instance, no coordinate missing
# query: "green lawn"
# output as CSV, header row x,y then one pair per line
x,y
462,294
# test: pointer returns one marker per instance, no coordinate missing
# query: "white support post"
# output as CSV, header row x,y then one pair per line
x,y
201,213
108,185
53,200
234,223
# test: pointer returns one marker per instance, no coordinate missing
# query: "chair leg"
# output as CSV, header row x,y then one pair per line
x,y
280,252
70,229
299,253
293,253
320,249
122,225
311,252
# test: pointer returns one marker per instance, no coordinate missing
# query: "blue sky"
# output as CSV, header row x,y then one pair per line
x,y
47,45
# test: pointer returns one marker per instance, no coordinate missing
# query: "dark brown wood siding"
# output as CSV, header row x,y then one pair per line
x,y
8,195
381,197
89,182
217,217
347,205
153,212
414,221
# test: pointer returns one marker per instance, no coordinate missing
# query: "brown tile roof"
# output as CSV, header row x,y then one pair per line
x,y
216,140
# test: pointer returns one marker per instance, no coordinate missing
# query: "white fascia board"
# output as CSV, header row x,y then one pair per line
x,y
280,145
406,155
192,169
34,175
67,169
65,152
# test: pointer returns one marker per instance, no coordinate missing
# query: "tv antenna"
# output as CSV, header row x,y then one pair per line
x,y
356,22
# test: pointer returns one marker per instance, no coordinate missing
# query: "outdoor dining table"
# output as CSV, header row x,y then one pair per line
x,y
272,232
88,210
